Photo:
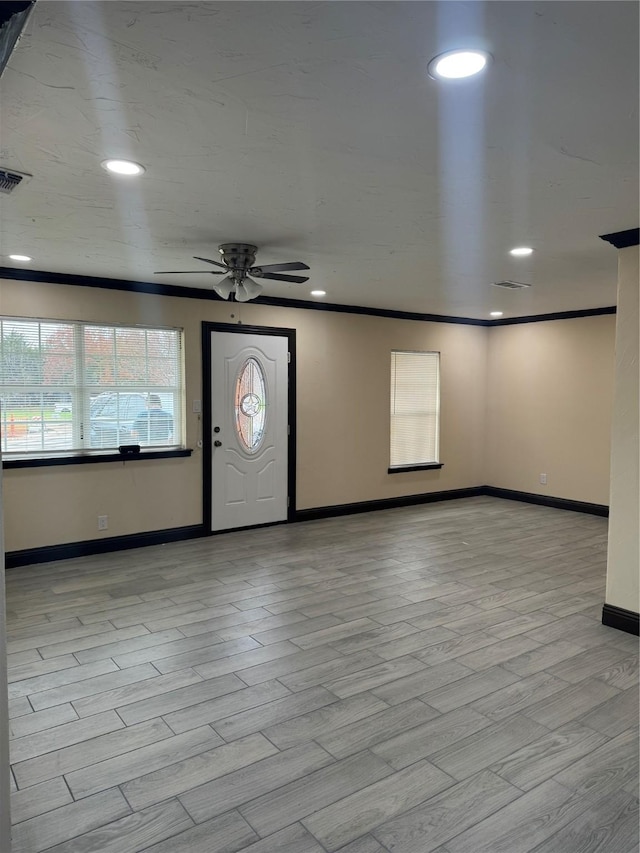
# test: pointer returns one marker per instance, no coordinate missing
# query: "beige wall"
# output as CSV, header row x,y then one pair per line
x,y
343,406
343,367
623,564
549,407
516,401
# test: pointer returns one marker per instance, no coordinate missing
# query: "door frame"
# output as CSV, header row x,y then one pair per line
x,y
207,450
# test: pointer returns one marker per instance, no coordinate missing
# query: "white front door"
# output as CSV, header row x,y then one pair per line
x,y
249,421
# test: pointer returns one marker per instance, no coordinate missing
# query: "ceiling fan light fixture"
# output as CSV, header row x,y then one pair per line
x,y
252,287
223,288
247,289
457,64
521,251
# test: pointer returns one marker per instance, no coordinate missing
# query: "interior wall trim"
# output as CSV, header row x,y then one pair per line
x,y
558,315
623,239
386,503
90,459
452,494
623,620
155,289
66,551
49,553
544,500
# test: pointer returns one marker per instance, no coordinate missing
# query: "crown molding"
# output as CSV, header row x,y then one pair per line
x,y
153,288
623,239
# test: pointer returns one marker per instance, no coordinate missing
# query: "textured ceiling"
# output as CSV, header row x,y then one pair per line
x,y
312,130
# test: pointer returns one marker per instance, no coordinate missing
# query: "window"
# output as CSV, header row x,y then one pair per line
x,y
70,388
415,409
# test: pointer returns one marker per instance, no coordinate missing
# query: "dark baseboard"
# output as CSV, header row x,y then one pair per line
x,y
66,551
543,500
623,620
385,503
47,554
452,494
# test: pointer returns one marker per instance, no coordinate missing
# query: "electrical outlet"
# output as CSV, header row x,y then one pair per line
x,y
103,522
543,479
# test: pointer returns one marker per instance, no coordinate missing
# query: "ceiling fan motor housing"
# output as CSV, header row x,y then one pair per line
x,y
238,256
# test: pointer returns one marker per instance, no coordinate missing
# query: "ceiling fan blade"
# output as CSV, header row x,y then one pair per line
x,y
298,279
294,265
189,272
209,261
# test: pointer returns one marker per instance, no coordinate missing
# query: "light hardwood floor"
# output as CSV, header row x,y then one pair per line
x,y
433,679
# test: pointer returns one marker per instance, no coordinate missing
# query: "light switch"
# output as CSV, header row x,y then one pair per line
x,y
196,407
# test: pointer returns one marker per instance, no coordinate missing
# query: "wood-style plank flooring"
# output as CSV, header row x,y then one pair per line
x,y
433,679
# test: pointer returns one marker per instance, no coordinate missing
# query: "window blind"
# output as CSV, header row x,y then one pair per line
x,y
415,408
69,387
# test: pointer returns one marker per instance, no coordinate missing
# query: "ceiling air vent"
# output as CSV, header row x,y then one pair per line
x,y
510,285
10,179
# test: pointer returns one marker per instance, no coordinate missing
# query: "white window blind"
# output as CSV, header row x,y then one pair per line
x,y
68,388
415,408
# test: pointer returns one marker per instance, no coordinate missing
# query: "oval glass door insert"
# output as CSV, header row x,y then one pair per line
x,y
251,405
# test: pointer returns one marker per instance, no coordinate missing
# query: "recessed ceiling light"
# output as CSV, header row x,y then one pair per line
x,y
521,251
496,313
123,167
455,64
22,258
318,292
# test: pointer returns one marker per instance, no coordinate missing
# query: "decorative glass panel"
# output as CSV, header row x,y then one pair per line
x,y
250,405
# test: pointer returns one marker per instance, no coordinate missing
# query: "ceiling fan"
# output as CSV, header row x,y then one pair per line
x,y
237,261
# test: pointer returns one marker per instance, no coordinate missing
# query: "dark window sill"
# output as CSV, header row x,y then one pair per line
x,y
91,458
402,469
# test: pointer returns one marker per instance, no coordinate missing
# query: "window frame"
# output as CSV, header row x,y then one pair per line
x,y
80,393
423,465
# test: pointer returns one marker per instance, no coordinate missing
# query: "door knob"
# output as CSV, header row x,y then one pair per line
x,y
217,444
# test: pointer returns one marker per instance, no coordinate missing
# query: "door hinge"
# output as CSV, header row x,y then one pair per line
x,y
288,358
288,502
288,429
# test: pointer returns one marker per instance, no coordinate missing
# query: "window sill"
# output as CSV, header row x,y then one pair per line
x,y
402,469
90,458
